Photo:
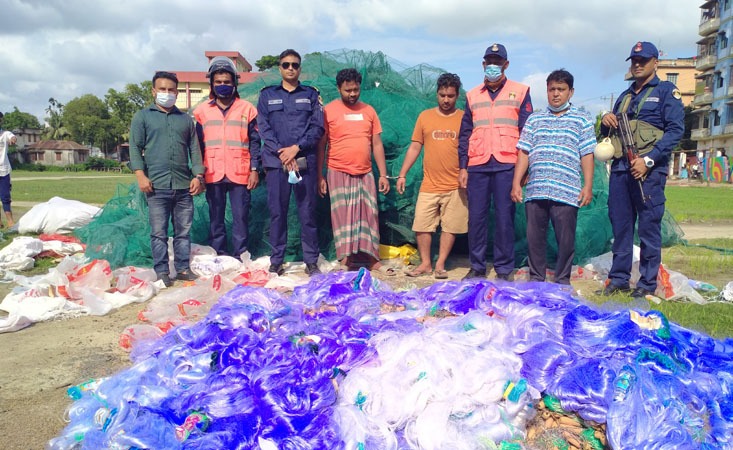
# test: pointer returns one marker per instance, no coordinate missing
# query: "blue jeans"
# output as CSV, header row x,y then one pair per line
x,y
162,205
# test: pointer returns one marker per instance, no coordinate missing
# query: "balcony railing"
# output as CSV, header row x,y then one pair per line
x,y
708,27
700,133
705,99
728,129
705,62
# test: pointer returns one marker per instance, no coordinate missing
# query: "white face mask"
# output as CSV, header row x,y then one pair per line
x,y
165,99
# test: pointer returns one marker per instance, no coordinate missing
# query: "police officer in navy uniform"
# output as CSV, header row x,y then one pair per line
x,y
656,114
290,122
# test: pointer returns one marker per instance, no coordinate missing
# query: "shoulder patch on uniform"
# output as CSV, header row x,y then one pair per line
x,y
320,100
677,94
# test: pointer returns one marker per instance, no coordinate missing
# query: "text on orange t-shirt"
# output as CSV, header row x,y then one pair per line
x,y
439,136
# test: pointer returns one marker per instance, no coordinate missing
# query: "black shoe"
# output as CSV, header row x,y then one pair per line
x,y
277,268
503,276
312,269
186,275
640,293
473,274
165,279
612,289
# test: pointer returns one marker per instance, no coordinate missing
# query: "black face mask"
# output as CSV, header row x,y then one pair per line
x,y
224,90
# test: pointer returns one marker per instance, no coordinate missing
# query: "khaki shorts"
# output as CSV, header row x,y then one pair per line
x,y
450,209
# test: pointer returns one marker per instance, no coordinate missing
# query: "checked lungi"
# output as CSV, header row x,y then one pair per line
x,y
354,213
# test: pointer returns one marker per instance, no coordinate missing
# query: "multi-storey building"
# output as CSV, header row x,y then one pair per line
x,y
713,100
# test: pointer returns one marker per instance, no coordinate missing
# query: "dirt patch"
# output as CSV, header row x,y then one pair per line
x,y
707,230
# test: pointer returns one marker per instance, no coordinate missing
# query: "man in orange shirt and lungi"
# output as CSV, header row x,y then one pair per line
x,y
352,133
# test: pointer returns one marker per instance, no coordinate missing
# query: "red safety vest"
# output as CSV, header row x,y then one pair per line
x,y
495,123
226,140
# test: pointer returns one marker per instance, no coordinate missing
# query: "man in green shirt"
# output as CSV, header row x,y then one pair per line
x,y
162,143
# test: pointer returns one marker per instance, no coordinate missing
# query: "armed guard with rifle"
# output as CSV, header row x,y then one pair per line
x,y
645,125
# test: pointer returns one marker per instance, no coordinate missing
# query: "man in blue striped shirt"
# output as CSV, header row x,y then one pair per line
x,y
555,145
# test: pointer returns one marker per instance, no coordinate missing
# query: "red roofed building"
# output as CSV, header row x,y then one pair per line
x,y
194,86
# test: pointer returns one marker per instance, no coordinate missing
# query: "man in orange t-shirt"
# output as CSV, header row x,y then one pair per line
x,y
441,200
352,135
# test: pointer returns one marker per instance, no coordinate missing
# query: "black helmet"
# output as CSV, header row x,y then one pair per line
x,y
222,64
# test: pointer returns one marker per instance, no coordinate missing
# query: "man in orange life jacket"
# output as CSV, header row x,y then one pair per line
x,y
487,151
230,144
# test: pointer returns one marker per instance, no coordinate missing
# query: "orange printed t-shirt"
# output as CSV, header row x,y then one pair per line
x,y
439,135
350,131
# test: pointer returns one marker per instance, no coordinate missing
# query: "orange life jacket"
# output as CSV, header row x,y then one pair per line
x,y
226,140
495,123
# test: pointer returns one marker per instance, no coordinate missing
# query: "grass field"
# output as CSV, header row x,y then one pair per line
x,y
701,203
74,186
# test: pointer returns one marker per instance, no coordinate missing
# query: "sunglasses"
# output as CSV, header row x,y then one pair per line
x,y
286,65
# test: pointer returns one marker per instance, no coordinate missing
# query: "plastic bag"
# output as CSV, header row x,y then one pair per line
x,y
673,285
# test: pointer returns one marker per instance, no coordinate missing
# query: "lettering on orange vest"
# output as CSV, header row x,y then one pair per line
x,y
495,123
226,140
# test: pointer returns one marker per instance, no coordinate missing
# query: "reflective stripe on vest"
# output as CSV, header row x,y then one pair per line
x,y
226,140
495,123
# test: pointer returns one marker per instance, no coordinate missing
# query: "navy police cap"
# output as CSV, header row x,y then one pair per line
x,y
644,49
496,49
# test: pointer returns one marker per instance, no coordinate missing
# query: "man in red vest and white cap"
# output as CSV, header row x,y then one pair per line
x,y
487,151
228,137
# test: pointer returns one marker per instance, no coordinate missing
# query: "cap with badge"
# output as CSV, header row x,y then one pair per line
x,y
496,49
644,50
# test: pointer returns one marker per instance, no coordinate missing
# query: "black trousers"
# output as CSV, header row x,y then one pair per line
x,y
564,219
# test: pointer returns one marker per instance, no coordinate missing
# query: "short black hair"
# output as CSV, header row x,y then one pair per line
x,y
561,76
349,74
166,75
448,80
290,52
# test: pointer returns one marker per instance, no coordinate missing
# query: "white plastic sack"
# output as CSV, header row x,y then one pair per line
x,y
19,254
727,293
57,215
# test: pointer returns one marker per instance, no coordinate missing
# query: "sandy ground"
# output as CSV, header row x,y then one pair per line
x,y
40,362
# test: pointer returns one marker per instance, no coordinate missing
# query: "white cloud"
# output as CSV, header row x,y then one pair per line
x,y
63,49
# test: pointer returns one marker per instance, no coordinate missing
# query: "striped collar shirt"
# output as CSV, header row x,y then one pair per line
x,y
555,145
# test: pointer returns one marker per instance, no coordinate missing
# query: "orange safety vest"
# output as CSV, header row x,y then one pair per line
x,y
226,140
495,123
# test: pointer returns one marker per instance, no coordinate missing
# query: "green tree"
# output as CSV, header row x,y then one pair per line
x,y
18,119
54,124
124,104
86,118
266,62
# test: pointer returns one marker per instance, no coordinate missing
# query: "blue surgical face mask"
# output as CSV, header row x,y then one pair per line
x,y
223,90
562,107
294,177
492,72
165,99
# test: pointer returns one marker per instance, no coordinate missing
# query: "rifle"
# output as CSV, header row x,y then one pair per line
x,y
629,147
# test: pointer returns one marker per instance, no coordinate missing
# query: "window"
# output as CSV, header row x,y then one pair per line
x,y
716,118
706,121
672,77
729,112
723,41
719,77
58,156
726,4
34,156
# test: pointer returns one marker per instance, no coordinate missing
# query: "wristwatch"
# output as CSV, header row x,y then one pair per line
x,y
201,179
649,162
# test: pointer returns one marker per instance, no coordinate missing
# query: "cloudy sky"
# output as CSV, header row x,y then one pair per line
x,y
67,48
